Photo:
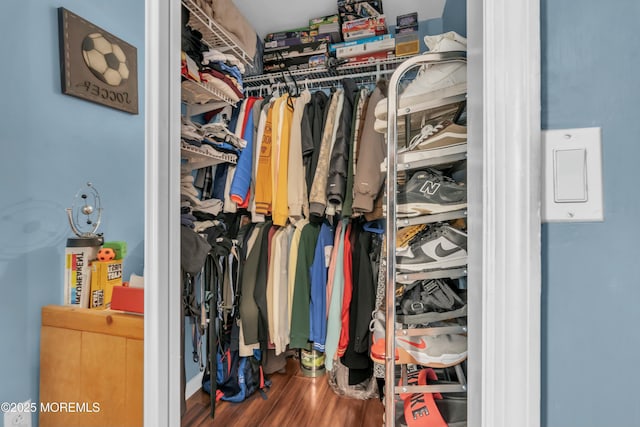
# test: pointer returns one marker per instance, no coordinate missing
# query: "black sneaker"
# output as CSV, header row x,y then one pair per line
x,y
442,247
431,301
429,191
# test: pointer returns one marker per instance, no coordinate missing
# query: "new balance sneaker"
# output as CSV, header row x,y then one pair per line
x,y
429,191
434,81
438,351
442,247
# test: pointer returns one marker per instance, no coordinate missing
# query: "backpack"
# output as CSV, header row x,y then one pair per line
x,y
237,377
227,376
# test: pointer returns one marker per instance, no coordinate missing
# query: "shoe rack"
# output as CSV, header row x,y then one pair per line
x,y
429,109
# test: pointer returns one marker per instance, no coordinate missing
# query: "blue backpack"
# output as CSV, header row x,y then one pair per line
x,y
237,377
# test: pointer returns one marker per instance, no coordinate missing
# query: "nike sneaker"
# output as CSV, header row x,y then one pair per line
x,y
438,351
429,191
433,82
442,247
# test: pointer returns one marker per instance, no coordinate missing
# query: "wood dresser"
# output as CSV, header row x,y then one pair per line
x,y
91,368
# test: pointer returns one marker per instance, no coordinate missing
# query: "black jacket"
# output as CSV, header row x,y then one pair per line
x,y
339,162
312,124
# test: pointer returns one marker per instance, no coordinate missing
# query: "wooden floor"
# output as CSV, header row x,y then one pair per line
x,y
292,401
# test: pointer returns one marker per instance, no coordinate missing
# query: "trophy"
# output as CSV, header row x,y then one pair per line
x,y
84,218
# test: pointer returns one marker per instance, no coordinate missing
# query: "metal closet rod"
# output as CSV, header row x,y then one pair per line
x,y
319,82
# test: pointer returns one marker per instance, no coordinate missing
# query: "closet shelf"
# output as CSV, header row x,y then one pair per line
x,y
319,75
432,218
213,34
455,273
418,332
429,104
204,95
435,157
197,158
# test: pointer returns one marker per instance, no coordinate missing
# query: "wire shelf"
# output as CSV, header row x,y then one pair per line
x,y
213,34
197,158
364,71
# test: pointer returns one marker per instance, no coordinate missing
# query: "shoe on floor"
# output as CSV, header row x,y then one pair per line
x,y
429,191
442,247
434,81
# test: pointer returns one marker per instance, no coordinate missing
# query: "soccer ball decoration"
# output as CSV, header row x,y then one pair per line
x,y
106,254
106,60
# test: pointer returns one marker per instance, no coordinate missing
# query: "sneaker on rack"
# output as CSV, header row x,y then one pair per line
x,y
429,191
437,351
441,135
446,42
430,301
434,81
442,247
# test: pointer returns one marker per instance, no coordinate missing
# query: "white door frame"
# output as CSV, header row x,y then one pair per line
x,y
504,208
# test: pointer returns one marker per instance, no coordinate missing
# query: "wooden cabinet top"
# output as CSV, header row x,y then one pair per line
x,y
100,321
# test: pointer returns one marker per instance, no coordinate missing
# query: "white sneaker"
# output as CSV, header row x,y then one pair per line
x,y
434,81
447,42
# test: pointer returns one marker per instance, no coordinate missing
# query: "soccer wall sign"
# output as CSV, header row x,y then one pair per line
x,y
96,65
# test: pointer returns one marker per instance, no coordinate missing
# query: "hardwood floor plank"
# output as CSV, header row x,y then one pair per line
x,y
293,401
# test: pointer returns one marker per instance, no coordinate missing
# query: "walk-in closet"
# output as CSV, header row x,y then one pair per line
x,y
324,196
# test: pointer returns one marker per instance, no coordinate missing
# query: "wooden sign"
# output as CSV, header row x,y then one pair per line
x,y
96,65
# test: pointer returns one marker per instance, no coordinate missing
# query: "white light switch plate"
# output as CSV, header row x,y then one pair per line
x,y
572,174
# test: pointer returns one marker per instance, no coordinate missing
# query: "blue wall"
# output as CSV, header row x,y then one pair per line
x,y
591,286
52,144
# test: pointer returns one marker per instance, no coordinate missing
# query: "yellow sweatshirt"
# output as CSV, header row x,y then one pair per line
x,y
280,164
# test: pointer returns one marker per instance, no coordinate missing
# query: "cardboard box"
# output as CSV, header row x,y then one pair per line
x,y
128,299
376,24
351,10
295,41
105,275
370,57
407,44
288,34
407,20
297,63
386,43
335,46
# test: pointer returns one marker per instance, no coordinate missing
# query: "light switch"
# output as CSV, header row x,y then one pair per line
x,y
570,175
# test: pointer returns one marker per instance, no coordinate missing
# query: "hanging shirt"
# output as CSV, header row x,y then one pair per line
x,y
319,269
297,191
300,318
334,319
281,166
